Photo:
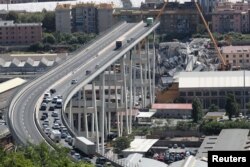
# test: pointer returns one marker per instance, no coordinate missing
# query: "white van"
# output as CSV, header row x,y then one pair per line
x,y
59,103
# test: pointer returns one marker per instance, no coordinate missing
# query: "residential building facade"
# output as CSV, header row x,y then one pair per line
x,y
20,33
84,18
237,56
63,18
231,17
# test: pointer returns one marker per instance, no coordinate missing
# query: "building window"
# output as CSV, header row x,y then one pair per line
x,y
240,55
198,93
240,61
214,93
247,55
237,93
206,93
234,56
190,93
226,56
182,93
222,93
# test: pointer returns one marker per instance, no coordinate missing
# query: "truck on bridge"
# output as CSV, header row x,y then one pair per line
x,y
84,145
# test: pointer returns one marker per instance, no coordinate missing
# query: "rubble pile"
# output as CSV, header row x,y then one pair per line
x,y
174,57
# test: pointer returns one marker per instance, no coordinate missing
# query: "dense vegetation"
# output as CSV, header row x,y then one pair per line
x,y
214,127
38,156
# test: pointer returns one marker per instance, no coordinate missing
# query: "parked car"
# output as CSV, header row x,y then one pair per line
x,y
86,159
54,114
64,135
52,91
183,146
43,117
45,122
51,108
47,131
175,146
74,81
101,160
68,138
77,156
56,126
55,119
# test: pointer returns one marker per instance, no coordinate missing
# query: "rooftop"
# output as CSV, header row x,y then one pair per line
x,y
215,114
139,161
145,114
214,79
188,162
172,106
10,84
235,49
11,23
228,139
140,145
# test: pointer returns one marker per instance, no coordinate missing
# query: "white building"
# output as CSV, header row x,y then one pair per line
x,y
63,18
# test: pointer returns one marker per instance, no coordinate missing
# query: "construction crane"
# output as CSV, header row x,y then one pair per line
x,y
162,10
224,65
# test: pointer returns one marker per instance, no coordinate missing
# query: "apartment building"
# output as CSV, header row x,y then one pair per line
x,y
231,17
63,18
19,33
84,18
237,55
104,16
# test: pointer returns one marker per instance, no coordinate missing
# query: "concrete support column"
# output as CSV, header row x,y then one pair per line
x,y
96,116
116,106
70,114
103,113
85,113
153,91
79,123
141,77
125,93
145,85
79,99
109,102
130,93
149,72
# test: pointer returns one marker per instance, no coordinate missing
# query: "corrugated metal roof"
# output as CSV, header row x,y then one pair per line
x,y
141,145
214,79
145,114
10,84
172,106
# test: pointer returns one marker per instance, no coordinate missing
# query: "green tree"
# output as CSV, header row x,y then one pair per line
x,y
248,107
49,38
12,16
120,144
49,22
197,112
36,47
232,107
213,108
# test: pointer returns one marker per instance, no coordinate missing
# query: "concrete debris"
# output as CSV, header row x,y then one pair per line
x,y
196,55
